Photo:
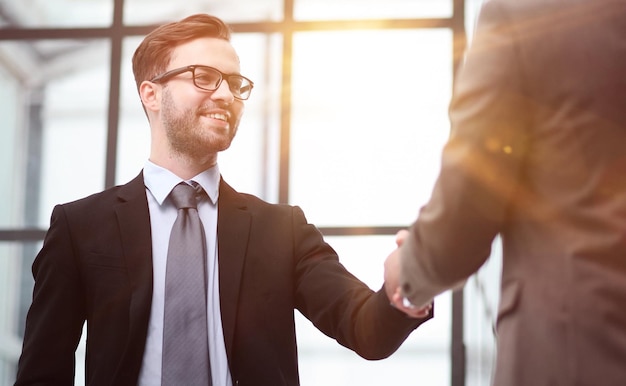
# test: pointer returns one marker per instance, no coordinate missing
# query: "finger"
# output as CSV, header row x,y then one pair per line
x,y
401,236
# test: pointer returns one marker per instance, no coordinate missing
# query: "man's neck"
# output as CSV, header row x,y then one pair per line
x,y
185,167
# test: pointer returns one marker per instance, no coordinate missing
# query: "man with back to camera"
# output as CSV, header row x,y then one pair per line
x,y
110,259
538,155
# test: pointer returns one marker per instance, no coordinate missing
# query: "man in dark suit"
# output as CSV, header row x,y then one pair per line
x,y
104,257
538,155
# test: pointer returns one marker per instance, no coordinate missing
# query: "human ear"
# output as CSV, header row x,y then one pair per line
x,y
150,95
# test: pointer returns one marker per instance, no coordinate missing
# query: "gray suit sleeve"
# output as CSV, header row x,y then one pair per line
x,y
481,166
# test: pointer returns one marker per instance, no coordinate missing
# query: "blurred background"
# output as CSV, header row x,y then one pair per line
x,y
347,120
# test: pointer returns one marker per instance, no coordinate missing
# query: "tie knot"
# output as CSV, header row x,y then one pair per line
x,y
185,196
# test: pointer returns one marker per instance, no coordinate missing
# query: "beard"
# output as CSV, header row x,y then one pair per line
x,y
188,136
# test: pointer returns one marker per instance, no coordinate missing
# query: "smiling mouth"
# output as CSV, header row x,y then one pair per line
x,y
218,116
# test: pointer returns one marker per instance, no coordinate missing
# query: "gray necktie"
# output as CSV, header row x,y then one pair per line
x,y
185,341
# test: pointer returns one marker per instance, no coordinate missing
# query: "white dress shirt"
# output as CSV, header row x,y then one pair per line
x,y
159,183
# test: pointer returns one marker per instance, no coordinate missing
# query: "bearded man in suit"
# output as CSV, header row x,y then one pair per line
x,y
104,257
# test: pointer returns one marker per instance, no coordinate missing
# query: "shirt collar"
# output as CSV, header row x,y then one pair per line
x,y
161,181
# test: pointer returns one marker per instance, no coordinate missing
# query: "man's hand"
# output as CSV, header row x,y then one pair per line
x,y
401,303
392,267
392,282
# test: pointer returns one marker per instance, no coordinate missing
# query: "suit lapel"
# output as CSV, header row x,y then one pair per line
x,y
133,218
233,227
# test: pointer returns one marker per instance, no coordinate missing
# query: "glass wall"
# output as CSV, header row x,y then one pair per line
x,y
368,123
74,123
370,9
347,120
138,12
56,13
12,145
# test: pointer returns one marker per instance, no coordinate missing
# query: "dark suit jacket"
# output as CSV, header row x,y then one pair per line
x,y
538,155
96,265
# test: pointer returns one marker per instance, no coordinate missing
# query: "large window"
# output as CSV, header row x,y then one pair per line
x,y
347,120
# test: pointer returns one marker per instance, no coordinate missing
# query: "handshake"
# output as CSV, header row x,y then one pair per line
x,y
393,287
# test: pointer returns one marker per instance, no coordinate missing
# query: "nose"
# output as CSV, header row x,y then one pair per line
x,y
223,93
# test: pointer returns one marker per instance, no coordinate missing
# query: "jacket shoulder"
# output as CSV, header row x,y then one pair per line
x,y
109,196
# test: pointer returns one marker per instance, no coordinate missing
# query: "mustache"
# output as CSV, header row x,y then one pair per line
x,y
209,108
214,109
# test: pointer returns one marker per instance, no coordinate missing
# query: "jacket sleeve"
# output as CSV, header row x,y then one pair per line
x,y
339,304
57,313
481,168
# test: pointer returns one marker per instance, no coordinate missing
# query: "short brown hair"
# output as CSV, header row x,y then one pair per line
x,y
154,53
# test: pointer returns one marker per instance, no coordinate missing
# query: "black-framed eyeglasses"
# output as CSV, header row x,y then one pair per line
x,y
209,79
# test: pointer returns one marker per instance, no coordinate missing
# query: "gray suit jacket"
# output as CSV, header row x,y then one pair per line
x,y
538,155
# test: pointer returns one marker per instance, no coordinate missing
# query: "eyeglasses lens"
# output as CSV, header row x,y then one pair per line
x,y
209,79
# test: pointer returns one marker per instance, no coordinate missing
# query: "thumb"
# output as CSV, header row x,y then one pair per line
x,y
401,236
